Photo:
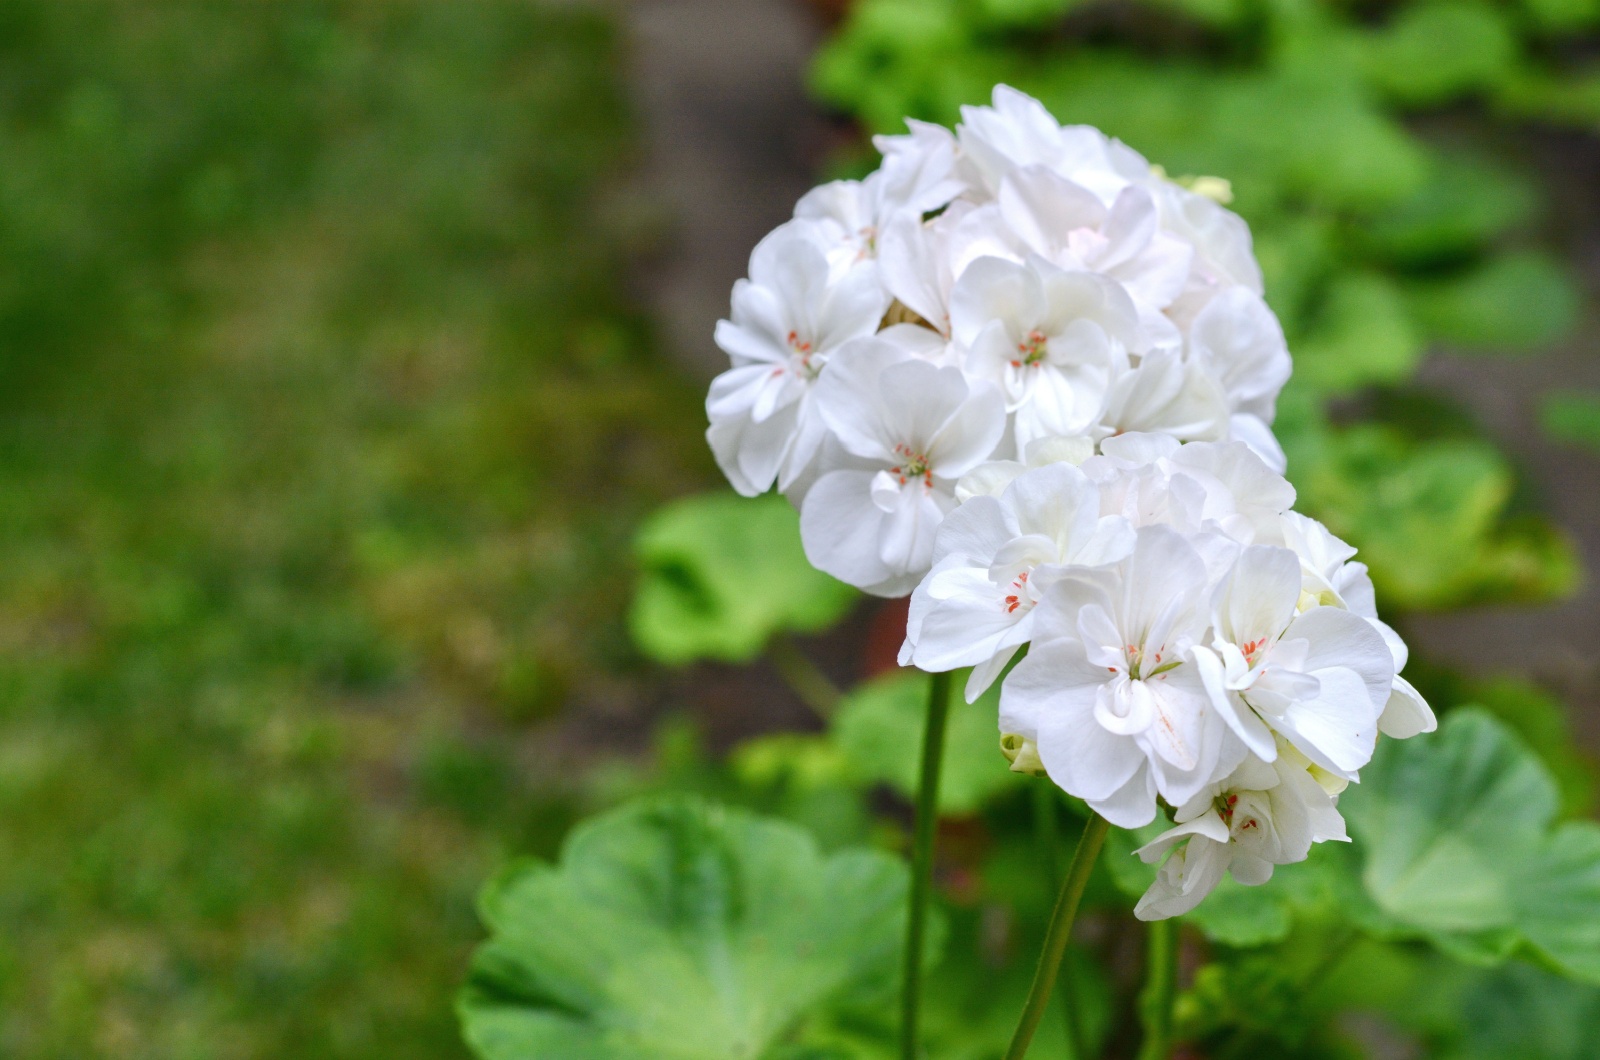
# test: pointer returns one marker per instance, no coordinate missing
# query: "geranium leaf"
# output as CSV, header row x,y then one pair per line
x,y
1512,302
678,930
720,574
1363,335
1456,843
1573,417
1437,817
1435,51
880,725
1558,900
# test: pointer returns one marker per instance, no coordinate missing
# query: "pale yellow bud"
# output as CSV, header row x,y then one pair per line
x,y
1022,753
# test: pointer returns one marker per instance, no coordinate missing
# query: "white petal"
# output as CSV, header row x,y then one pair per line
x,y
1338,729
1208,824
1240,718
1055,689
1406,713
841,528
1131,806
1259,599
1339,638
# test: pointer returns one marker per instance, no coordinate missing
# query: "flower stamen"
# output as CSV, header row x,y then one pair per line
x,y
1032,349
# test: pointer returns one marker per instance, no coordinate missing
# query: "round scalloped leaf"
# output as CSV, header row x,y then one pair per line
x,y
720,574
678,930
1455,833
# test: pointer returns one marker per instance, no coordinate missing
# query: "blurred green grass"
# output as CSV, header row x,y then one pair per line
x,y
323,429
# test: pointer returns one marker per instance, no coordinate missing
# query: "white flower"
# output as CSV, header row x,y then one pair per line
x,y
907,430
1319,678
1050,339
918,262
921,166
1239,341
1067,224
1168,394
1224,255
992,557
991,478
1108,692
1018,131
788,318
1222,488
1261,816
1330,579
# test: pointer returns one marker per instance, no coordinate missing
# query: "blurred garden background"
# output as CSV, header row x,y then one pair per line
x,y
344,346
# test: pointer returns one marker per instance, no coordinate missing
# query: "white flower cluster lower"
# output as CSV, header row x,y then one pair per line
x,y
1020,371
1191,641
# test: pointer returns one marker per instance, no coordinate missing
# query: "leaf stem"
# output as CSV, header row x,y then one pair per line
x,y
926,825
1161,976
802,676
1047,832
1060,930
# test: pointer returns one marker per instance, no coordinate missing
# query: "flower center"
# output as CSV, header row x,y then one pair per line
x,y
868,235
912,465
1031,349
1226,806
802,351
1137,658
1252,648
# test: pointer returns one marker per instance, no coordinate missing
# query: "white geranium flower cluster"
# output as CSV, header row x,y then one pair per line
x,y
1021,372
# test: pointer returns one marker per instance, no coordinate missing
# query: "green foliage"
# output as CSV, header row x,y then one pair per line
x,y
1458,844
1375,240
1439,50
1511,303
1470,200
1388,492
678,929
1540,721
720,575
1521,1013
1364,334
879,728
1572,417
326,429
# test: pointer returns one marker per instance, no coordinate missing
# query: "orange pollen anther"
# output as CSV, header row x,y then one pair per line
x,y
915,466
1014,601
1031,348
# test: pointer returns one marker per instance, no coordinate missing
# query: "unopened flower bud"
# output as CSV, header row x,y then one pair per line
x,y
1022,753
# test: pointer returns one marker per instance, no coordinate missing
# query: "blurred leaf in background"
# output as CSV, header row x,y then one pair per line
x,y
722,575
325,428
1573,417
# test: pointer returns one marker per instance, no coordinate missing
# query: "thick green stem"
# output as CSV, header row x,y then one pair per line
x,y
1060,930
922,862
1161,977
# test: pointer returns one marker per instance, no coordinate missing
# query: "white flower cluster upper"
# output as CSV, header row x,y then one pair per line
x,y
1019,371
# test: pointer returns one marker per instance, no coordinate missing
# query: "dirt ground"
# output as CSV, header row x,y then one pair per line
x,y
733,142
